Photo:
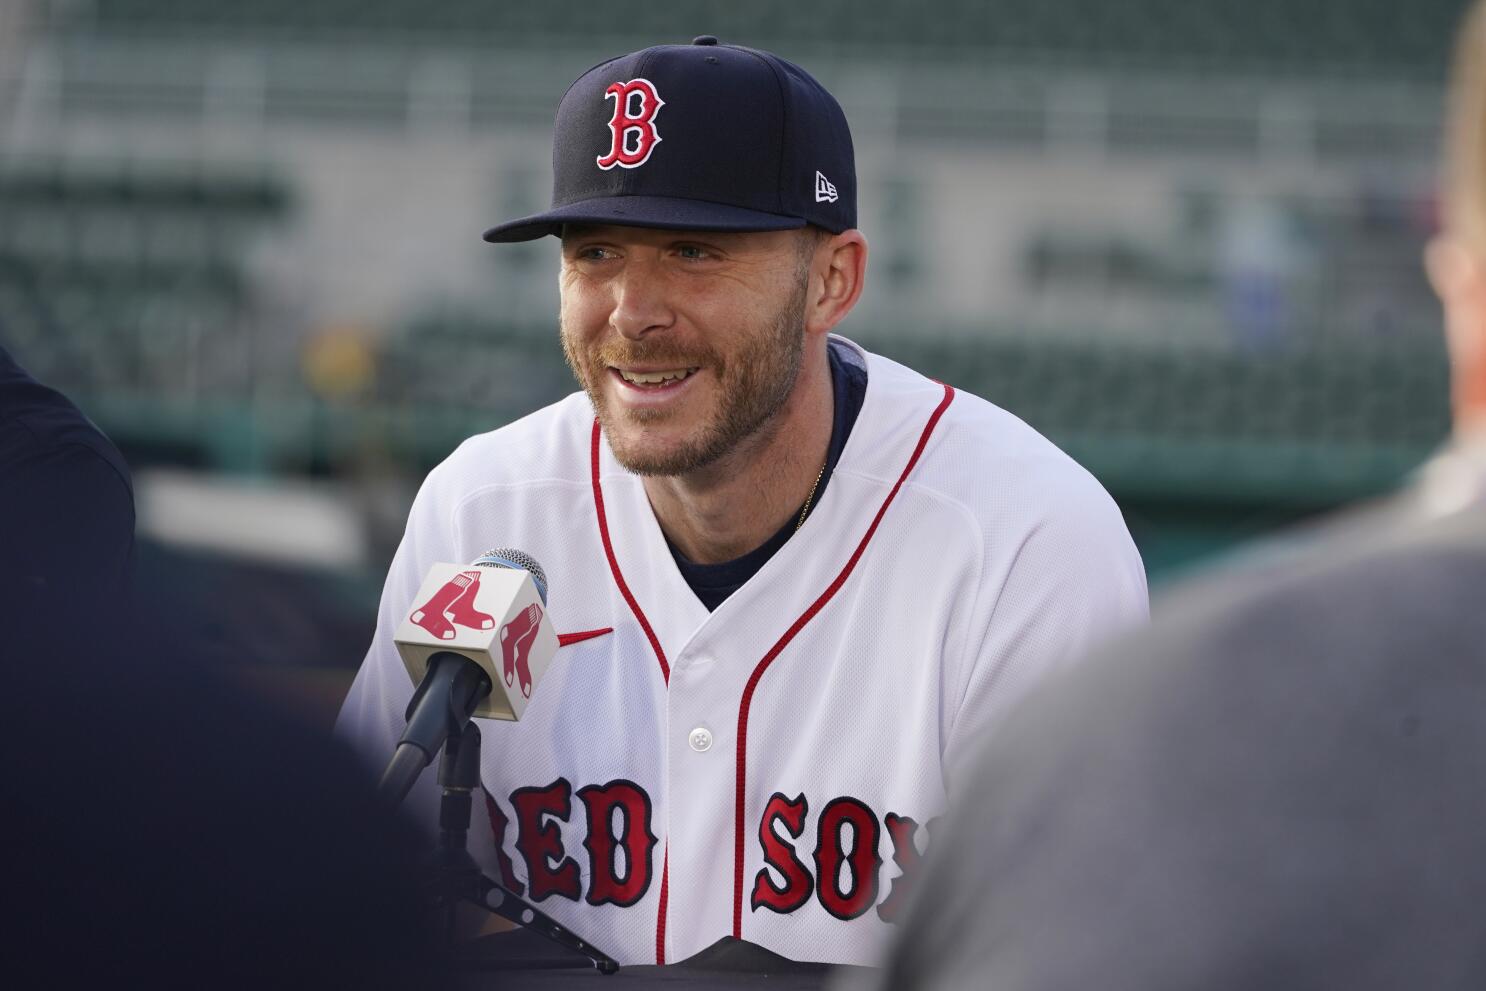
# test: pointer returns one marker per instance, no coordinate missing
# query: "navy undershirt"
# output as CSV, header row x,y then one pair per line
x,y
713,583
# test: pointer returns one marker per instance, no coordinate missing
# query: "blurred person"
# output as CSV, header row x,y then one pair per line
x,y
1456,262
797,577
1257,258
1280,783
163,826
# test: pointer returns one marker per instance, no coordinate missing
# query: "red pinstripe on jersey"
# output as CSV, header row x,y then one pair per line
x,y
789,634
660,916
660,655
598,505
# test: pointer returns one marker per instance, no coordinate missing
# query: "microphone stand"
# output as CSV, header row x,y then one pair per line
x,y
458,877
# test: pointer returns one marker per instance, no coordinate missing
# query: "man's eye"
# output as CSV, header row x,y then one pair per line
x,y
692,252
593,253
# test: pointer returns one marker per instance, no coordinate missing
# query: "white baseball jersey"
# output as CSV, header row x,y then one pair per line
x,y
766,770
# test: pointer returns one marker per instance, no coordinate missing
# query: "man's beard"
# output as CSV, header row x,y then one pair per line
x,y
754,384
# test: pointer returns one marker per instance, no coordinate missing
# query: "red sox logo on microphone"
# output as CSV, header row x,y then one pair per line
x,y
515,645
454,603
632,128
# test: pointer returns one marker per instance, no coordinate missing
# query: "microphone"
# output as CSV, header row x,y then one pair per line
x,y
475,644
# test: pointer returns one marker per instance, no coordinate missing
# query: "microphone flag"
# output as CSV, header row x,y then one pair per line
x,y
494,617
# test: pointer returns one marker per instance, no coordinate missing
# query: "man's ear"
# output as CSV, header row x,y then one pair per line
x,y
1453,269
1459,279
838,273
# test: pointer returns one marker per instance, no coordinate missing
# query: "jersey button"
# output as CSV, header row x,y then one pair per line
x,y
700,739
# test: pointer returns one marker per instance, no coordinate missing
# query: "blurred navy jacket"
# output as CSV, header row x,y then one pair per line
x,y
66,500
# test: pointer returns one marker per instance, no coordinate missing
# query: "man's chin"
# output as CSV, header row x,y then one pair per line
x,y
651,462
654,457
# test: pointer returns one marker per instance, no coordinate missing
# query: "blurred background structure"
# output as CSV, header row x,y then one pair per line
x,y
1182,238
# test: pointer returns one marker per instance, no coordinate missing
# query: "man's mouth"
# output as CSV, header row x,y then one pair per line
x,y
653,379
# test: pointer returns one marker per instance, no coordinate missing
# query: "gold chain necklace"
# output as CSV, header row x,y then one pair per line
x,y
805,509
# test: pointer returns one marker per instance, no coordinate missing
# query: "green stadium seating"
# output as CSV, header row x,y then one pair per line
x,y
126,277
1316,35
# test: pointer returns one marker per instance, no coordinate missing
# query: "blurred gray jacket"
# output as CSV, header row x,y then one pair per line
x,y
1281,785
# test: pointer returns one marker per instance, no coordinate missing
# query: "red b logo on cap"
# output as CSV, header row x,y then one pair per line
x,y
633,125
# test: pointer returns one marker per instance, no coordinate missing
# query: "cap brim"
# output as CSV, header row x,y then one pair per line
x,y
665,212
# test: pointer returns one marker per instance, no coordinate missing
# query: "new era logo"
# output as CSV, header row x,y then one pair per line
x,y
825,189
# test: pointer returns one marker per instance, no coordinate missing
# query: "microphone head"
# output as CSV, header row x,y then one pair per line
x,y
509,557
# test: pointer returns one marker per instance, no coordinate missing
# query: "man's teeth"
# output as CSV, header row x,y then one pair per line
x,y
655,378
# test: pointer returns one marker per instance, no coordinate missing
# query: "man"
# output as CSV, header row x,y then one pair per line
x,y
1280,784
798,578
163,827
1457,268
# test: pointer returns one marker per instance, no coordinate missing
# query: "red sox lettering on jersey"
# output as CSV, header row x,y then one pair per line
x,y
766,770
620,842
632,128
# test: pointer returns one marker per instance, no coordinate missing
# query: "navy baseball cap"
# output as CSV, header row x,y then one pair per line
x,y
697,137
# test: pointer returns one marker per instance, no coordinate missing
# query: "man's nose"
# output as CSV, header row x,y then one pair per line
x,y
640,305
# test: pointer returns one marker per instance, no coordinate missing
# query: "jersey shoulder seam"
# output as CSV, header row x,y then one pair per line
x,y
921,488
488,487
970,649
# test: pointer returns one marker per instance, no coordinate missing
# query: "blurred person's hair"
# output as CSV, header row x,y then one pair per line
x,y
1464,187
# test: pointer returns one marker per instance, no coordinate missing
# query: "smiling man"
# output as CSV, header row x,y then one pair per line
x,y
798,579
691,346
